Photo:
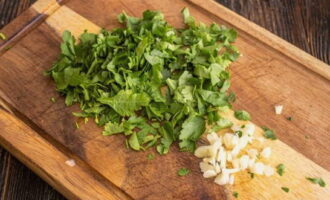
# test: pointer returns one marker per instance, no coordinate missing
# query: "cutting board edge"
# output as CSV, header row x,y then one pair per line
x,y
34,161
27,21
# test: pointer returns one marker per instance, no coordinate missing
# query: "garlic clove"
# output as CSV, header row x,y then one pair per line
x,y
229,156
258,168
252,153
266,152
217,168
244,162
222,179
249,129
212,137
205,166
202,151
231,179
230,171
227,140
209,174
278,109
236,163
269,171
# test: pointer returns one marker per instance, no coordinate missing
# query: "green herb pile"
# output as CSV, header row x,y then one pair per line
x,y
152,82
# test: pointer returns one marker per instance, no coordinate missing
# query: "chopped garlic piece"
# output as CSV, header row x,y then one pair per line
x,y
231,179
265,153
249,129
70,162
217,168
202,151
230,171
222,179
234,140
227,140
212,137
252,153
223,160
244,162
236,150
236,163
269,171
258,168
214,149
251,163
243,141
278,109
220,152
229,156
209,174
205,166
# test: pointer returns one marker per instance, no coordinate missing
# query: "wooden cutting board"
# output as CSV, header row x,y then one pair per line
x,y
43,135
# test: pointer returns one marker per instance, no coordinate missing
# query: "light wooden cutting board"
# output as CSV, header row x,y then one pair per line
x,y
43,135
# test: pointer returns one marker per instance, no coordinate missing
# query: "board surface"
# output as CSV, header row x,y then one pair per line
x,y
270,72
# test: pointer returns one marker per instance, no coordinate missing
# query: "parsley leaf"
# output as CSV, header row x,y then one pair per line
x,y
318,181
235,194
125,102
251,175
150,156
183,172
53,99
269,134
289,118
280,169
242,115
191,131
285,189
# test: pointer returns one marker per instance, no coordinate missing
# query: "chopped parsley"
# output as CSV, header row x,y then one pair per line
x,y
77,125
235,194
318,181
150,156
53,99
289,118
239,133
242,115
128,78
285,189
251,175
280,169
183,171
269,134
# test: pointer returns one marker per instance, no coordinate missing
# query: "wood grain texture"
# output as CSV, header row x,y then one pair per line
x,y
75,182
11,9
250,61
304,23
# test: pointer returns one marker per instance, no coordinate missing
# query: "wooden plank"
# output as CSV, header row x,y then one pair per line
x,y
269,77
302,23
77,182
26,90
26,22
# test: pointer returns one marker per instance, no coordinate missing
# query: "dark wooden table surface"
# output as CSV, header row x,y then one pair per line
x,y
304,23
